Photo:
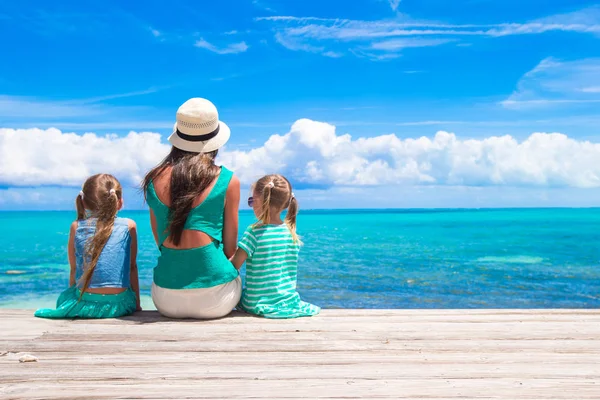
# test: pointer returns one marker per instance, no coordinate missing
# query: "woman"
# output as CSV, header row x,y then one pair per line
x,y
194,216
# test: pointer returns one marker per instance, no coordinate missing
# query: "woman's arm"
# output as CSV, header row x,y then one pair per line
x,y
135,283
239,258
153,225
230,224
71,253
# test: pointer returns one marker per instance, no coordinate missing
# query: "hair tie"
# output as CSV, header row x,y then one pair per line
x,y
81,194
271,184
112,191
293,195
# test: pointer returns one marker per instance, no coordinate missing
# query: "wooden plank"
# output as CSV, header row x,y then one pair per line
x,y
133,369
434,354
309,388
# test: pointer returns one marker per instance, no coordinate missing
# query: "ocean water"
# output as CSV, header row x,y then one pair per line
x,y
516,258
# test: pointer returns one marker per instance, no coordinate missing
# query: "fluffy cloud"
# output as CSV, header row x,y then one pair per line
x,y
312,152
314,155
30,157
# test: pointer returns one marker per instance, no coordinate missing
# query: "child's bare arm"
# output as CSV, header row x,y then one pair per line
x,y
239,258
71,253
135,283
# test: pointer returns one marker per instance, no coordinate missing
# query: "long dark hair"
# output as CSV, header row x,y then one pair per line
x,y
99,198
191,174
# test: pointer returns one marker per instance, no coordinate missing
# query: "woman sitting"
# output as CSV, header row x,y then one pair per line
x,y
194,216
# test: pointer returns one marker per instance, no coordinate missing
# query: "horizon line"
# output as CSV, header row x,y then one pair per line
x,y
248,210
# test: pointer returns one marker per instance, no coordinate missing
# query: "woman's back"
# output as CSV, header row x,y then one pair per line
x,y
205,221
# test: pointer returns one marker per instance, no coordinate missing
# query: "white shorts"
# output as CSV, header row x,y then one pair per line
x,y
204,303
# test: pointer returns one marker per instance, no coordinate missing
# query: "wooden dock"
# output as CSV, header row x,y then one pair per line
x,y
344,354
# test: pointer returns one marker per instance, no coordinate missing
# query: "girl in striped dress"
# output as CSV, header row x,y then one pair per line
x,y
270,249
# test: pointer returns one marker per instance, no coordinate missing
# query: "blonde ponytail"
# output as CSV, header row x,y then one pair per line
x,y
79,206
265,215
290,218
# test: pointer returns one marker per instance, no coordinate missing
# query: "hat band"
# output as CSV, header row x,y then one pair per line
x,y
198,138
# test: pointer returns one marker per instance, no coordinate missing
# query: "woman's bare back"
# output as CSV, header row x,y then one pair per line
x,y
189,238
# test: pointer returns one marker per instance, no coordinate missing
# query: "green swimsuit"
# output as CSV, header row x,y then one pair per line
x,y
201,267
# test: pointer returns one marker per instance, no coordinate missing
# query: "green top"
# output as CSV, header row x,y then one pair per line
x,y
271,272
200,267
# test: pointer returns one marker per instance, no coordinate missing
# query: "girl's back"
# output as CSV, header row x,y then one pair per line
x,y
113,267
271,267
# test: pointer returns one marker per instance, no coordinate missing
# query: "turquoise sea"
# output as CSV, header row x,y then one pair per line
x,y
521,258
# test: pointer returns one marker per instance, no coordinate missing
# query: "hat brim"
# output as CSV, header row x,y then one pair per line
x,y
201,147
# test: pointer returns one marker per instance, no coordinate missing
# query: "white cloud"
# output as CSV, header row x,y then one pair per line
x,y
394,4
404,43
591,89
51,157
542,159
293,44
232,48
556,82
332,54
581,21
313,154
155,32
333,33
398,44
374,56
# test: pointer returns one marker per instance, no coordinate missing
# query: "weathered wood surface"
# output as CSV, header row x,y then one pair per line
x,y
431,354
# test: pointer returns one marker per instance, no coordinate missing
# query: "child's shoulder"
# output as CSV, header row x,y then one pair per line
x,y
269,230
126,221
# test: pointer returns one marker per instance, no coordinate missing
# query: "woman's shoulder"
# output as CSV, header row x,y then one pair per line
x,y
158,185
234,184
226,177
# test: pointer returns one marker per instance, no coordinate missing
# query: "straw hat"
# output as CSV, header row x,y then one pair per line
x,y
198,129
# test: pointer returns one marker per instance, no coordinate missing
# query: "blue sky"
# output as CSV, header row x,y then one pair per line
x,y
476,68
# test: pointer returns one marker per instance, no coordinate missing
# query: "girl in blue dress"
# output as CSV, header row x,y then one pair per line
x,y
102,250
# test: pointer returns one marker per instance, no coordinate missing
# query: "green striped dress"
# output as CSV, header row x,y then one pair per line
x,y
271,271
